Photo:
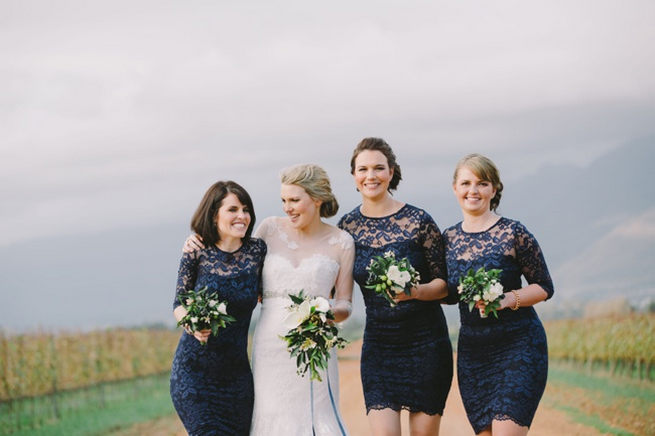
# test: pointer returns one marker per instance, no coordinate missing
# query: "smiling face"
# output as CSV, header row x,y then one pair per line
x,y
372,174
232,219
301,209
473,194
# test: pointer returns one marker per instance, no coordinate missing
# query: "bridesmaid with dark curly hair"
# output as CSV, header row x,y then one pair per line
x,y
502,362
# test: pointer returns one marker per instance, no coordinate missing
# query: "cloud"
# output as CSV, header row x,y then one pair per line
x,y
109,106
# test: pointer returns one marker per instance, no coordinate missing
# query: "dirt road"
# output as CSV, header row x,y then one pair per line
x,y
547,422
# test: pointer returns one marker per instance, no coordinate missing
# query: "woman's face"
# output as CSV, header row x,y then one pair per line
x,y
233,218
372,174
474,195
301,209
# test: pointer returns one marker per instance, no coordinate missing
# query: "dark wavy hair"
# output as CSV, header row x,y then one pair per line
x,y
379,144
484,169
204,219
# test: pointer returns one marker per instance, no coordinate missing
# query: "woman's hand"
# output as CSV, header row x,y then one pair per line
x,y
404,297
193,243
201,335
481,305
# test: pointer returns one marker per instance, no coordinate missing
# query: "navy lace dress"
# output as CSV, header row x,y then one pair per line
x,y
407,358
212,385
502,364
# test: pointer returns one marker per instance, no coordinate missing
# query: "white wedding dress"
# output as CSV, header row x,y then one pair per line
x,y
286,403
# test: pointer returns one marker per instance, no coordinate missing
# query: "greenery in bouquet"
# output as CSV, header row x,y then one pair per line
x,y
312,333
389,277
482,285
204,312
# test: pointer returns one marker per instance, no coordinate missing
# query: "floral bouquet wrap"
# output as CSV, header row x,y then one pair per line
x,y
311,336
204,312
389,277
481,285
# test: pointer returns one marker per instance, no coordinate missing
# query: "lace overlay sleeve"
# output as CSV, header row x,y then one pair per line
x,y
531,259
186,276
433,247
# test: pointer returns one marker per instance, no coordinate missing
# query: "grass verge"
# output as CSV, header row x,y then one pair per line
x,y
613,405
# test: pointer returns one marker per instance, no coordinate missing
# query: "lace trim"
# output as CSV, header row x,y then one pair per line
x,y
399,407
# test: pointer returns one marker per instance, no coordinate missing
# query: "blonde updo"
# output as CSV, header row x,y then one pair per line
x,y
484,169
315,181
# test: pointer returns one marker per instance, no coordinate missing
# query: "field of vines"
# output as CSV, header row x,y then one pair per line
x,y
621,345
38,372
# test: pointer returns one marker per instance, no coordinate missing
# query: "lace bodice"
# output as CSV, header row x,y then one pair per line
x,y
508,246
410,232
215,268
315,266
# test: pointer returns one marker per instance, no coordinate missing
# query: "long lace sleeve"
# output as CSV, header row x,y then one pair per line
x,y
531,259
186,275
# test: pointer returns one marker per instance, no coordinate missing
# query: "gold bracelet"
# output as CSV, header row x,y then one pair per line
x,y
517,299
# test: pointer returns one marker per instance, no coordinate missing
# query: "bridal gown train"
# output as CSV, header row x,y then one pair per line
x,y
287,404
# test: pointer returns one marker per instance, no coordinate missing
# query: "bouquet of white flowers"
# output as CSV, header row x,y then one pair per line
x,y
484,286
311,335
204,312
389,277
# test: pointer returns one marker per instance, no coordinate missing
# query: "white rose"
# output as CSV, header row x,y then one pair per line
x,y
212,303
496,289
194,319
397,276
222,309
460,288
476,298
189,301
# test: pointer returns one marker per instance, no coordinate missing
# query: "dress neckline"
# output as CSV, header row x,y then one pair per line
x,y
461,227
359,210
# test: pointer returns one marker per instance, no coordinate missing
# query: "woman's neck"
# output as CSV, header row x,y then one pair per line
x,y
384,206
229,244
315,227
479,223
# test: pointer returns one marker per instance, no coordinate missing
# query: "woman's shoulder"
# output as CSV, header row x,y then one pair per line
x,y
341,237
257,244
452,230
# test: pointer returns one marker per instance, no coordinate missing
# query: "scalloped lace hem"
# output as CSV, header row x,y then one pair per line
x,y
399,407
500,417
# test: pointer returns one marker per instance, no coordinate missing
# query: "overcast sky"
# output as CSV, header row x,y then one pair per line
x,y
117,114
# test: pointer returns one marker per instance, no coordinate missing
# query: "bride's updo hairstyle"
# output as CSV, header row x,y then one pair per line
x,y
379,144
314,180
484,169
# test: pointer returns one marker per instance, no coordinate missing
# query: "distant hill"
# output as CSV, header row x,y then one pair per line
x,y
569,208
620,263
595,225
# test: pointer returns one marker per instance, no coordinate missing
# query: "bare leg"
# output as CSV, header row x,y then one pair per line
x,y
385,422
508,428
422,424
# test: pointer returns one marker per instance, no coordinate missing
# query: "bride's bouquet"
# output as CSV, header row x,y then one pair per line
x,y
204,312
389,277
311,334
481,285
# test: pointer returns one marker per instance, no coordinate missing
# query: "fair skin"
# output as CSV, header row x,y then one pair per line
x,y
304,219
232,221
372,176
474,196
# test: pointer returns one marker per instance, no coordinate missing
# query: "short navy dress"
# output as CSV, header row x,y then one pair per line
x,y
211,385
502,363
407,360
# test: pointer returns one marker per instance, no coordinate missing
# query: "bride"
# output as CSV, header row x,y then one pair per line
x,y
304,253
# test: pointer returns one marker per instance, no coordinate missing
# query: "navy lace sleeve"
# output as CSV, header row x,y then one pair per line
x,y
186,276
531,259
